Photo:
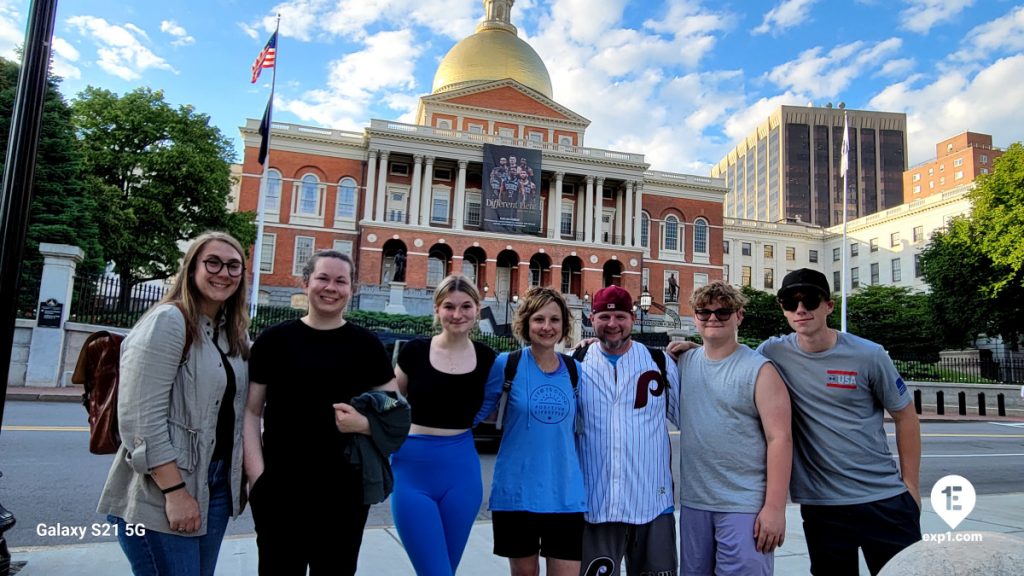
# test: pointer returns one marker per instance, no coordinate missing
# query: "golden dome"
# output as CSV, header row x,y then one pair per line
x,y
495,52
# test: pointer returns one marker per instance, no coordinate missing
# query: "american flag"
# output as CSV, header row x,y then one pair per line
x,y
266,58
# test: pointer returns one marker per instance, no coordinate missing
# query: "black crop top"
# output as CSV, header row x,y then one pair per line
x,y
441,400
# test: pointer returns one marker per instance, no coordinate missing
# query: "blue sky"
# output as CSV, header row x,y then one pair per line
x,y
678,80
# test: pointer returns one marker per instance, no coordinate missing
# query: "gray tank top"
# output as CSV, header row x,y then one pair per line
x,y
723,463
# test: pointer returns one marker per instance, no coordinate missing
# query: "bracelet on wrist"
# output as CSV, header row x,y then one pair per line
x,y
178,486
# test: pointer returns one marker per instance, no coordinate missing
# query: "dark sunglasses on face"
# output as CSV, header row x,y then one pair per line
x,y
215,265
722,314
811,301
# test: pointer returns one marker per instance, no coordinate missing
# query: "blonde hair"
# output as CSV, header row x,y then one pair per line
x,y
531,302
718,292
451,284
185,294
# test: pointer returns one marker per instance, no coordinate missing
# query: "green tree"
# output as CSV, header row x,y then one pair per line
x,y
762,316
161,176
895,317
998,214
61,212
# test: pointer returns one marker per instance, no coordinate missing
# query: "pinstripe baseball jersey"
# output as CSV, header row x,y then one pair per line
x,y
624,446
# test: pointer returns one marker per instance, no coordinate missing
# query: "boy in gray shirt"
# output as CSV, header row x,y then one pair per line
x,y
851,493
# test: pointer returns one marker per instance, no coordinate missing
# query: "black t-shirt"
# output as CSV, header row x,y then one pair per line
x,y
306,371
442,400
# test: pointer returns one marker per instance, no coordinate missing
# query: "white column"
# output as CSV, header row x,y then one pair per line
x,y
382,186
414,196
371,174
588,212
639,200
425,192
459,208
599,212
617,228
627,225
555,202
46,350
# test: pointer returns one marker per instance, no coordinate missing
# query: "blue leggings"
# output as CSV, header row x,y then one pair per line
x,y
438,491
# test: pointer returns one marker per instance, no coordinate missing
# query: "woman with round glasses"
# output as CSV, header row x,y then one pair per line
x,y
177,477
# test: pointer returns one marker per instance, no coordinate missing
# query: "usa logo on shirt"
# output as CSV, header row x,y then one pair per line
x,y
845,379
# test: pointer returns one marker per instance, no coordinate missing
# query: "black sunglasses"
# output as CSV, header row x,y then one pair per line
x,y
215,265
792,301
722,314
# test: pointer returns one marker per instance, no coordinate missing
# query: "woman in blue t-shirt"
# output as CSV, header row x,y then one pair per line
x,y
537,495
438,486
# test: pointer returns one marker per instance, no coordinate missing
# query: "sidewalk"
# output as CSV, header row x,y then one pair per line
x,y
382,553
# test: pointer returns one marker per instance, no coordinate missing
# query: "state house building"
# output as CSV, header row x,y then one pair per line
x,y
493,181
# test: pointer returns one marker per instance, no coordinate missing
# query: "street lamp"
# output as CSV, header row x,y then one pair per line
x,y
486,289
645,305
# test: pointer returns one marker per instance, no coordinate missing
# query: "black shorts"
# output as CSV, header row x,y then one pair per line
x,y
523,534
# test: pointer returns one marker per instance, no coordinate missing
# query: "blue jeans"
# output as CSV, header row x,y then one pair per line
x,y
161,554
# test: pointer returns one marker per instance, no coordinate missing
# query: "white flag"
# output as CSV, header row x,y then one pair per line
x,y
844,163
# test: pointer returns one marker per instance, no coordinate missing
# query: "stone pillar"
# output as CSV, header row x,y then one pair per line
x,y
628,225
396,294
459,208
638,211
588,212
599,212
371,174
46,354
618,231
556,205
417,184
426,192
382,186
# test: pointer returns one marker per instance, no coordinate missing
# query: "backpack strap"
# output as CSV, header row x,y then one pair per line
x,y
659,358
511,364
580,353
570,365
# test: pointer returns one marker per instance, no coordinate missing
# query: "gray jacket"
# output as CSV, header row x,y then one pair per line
x,y
390,418
167,411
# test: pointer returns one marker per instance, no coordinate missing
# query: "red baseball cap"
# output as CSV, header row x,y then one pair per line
x,y
612,298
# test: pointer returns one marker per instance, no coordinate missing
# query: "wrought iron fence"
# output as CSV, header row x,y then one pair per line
x,y
99,299
962,370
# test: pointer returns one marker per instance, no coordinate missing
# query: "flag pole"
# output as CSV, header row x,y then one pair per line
x,y
845,166
257,251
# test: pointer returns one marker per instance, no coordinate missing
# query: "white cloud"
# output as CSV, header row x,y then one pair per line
x,y
788,14
826,75
63,56
1002,34
12,32
379,72
898,68
307,20
922,15
182,37
119,50
988,102
249,31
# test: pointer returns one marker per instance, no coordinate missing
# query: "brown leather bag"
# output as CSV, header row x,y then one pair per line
x,y
98,369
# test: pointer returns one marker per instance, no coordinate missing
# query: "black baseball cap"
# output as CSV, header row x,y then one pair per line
x,y
803,279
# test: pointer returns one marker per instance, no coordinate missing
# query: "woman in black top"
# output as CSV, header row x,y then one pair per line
x,y
438,488
307,501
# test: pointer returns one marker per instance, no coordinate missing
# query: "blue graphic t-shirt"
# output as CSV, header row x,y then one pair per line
x,y
537,469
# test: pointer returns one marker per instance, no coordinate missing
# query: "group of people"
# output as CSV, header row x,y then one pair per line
x,y
311,424
512,181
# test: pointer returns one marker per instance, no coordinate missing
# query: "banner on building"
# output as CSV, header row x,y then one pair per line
x,y
511,190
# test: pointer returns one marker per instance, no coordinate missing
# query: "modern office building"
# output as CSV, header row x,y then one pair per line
x,y
788,168
494,180
958,161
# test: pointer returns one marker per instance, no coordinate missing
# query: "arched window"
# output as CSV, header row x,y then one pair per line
x,y
272,202
470,267
308,193
436,264
700,236
645,229
670,234
346,208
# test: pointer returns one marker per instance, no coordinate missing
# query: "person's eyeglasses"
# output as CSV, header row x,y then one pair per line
x,y
811,301
215,265
722,314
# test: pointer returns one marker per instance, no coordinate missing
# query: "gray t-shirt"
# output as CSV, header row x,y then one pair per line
x,y
840,451
723,461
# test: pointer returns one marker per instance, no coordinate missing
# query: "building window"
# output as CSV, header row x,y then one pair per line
x,y
836,255
396,206
444,124
790,253
399,169
983,159
343,246
267,248
769,278
769,250
836,280
272,202
645,229
725,247
645,278
439,206
725,273
745,280
444,174
931,171
566,222
917,189
476,129
699,280
303,251
812,256
958,175
473,217
536,136
958,162
917,177
670,235
918,234
917,265
435,269
565,140
984,170
931,184
874,273
873,245
942,181
700,236
894,240
346,209
897,274
854,249
854,277
309,195
745,249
